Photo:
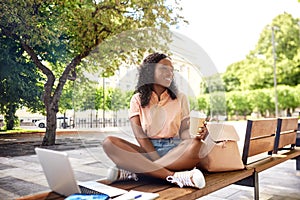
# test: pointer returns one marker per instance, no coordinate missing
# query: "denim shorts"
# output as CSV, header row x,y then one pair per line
x,y
164,145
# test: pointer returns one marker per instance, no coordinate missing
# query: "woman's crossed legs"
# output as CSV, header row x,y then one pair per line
x,y
133,158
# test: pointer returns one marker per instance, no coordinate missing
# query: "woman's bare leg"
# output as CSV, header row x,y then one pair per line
x,y
131,157
183,157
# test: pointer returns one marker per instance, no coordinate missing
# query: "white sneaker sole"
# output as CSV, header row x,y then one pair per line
x,y
199,179
112,174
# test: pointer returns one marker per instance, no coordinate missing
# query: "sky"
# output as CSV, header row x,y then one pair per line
x,y
228,29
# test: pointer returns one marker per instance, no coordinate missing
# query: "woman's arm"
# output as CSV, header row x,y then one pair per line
x,y
184,131
142,138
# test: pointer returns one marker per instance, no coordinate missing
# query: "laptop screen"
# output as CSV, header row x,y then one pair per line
x,y
58,171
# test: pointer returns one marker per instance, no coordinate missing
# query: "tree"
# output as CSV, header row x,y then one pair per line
x,y
128,95
203,104
64,32
287,97
261,100
19,82
66,101
287,43
115,101
238,103
231,77
193,103
256,70
99,102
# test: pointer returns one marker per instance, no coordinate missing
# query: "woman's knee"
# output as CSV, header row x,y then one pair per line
x,y
108,142
192,147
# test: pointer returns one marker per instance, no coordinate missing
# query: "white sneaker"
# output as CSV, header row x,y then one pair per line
x,y
116,174
193,178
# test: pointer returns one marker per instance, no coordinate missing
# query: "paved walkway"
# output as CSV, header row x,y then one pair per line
x,y
21,173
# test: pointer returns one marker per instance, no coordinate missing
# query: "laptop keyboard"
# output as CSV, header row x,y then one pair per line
x,y
85,190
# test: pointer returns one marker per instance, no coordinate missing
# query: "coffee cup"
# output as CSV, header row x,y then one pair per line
x,y
197,121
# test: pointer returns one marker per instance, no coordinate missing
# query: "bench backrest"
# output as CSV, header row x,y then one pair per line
x,y
259,138
286,133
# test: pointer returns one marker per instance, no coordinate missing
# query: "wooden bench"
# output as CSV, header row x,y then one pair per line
x,y
263,138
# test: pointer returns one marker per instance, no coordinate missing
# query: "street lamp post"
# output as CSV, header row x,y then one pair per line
x,y
274,70
103,106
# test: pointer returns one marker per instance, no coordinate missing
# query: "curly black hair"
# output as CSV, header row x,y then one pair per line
x,y
146,79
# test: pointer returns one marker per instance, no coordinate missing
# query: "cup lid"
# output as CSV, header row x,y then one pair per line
x,y
198,114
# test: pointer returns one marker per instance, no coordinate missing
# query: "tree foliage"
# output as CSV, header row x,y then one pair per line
x,y
256,70
64,32
259,101
19,82
238,103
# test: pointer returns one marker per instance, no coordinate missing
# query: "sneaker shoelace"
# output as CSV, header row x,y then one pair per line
x,y
182,179
127,175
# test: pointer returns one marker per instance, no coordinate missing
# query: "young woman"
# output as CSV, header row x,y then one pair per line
x,y
159,117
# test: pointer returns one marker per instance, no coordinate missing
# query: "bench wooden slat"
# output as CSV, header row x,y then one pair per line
x,y
261,145
43,196
129,185
175,193
259,138
286,133
145,184
288,123
214,182
287,139
152,188
263,127
275,159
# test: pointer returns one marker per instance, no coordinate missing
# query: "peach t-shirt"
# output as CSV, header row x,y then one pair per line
x,y
160,119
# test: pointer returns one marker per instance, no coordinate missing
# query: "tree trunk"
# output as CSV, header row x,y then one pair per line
x,y
10,116
49,138
51,94
64,124
91,119
96,118
116,119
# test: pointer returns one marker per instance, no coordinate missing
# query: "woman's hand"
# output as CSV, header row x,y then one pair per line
x,y
202,132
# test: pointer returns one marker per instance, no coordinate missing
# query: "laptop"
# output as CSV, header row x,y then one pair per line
x,y
61,179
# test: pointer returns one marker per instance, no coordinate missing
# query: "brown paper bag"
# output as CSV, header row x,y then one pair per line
x,y
222,150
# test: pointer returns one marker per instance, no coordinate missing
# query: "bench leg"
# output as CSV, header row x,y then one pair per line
x,y
297,163
251,181
256,186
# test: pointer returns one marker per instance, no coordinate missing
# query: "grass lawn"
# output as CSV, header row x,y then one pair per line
x,y
20,130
